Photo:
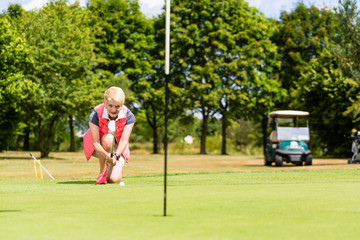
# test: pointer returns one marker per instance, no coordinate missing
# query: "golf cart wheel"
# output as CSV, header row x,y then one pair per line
x,y
267,161
278,160
308,160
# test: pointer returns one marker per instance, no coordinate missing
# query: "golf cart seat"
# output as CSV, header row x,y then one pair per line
x,y
273,136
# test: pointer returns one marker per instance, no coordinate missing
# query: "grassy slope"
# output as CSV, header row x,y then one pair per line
x,y
263,204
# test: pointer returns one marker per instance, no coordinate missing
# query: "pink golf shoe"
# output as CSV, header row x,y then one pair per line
x,y
101,179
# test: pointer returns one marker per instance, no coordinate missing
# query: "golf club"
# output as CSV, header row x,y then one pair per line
x,y
112,130
42,166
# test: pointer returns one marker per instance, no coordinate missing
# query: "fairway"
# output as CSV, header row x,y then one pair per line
x,y
252,202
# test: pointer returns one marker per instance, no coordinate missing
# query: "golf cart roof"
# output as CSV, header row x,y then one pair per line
x,y
288,114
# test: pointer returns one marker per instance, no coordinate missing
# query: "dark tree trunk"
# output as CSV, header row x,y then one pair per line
x,y
155,141
18,142
264,133
224,128
26,143
204,133
155,136
41,138
154,127
46,144
72,134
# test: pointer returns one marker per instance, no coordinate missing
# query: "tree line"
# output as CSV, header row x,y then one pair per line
x,y
228,62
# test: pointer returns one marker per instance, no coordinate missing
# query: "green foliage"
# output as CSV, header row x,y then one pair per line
x,y
15,88
13,55
301,36
243,137
126,48
62,53
122,37
228,62
220,51
347,50
142,132
323,91
14,11
311,74
245,134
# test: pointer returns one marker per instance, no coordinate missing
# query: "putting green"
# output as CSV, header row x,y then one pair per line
x,y
297,204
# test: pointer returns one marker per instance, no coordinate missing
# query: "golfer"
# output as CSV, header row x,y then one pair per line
x,y
100,136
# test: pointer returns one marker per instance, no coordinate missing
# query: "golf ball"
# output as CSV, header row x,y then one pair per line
x,y
122,184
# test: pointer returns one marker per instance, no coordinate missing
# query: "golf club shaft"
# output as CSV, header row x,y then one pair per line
x,y
112,147
42,166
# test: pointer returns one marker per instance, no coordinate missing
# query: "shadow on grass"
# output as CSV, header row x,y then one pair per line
x,y
6,211
29,158
15,158
162,215
89,182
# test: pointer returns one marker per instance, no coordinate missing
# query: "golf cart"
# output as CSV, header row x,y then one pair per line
x,y
287,141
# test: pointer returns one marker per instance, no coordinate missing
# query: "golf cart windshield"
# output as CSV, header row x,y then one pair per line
x,y
293,133
290,125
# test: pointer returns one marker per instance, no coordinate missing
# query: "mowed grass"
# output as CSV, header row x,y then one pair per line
x,y
231,201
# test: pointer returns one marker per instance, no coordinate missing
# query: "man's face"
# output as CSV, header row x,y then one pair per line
x,y
113,108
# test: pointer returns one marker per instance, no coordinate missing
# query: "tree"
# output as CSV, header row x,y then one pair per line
x,y
312,76
264,88
14,11
150,90
192,57
348,52
301,36
323,91
124,37
62,47
15,88
248,88
126,46
221,49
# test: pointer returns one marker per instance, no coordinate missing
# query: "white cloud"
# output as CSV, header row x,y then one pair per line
x,y
152,3
151,7
36,4
270,8
274,7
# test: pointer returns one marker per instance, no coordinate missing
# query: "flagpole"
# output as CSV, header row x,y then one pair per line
x,y
167,79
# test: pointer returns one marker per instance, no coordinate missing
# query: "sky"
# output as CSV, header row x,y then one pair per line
x,y
270,8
